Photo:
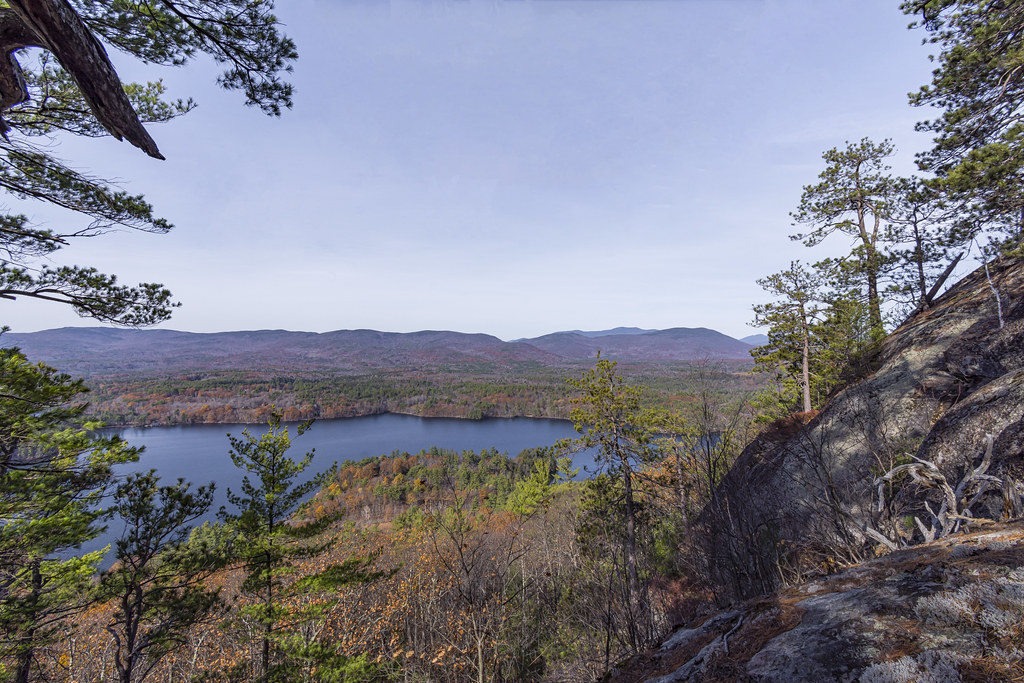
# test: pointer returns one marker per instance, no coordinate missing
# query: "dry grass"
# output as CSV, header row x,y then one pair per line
x,y
988,669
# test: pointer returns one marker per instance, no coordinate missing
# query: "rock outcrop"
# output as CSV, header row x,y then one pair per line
x,y
804,499
946,611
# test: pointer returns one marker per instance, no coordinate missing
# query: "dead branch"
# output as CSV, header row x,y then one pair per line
x,y
955,508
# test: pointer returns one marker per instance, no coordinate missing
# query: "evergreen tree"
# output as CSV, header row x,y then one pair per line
x,y
608,415
536,489
157,585
979,85
69,85
920,237
270,539
53,473
821,324
799,294
853,198
843,340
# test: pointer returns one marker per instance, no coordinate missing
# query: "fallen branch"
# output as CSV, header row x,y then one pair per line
x,y
725,638
881,538
954,510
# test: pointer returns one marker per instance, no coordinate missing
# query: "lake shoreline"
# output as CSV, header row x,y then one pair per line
x,y
355,416
200,453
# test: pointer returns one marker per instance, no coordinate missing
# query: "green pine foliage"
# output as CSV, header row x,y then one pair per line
x,y
609,415
158,585
820,336
799,296
241,35
853,197
54,472
979,87
270,539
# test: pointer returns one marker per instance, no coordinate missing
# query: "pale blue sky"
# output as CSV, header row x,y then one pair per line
x,y
513,167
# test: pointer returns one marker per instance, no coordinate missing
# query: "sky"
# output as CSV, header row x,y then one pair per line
x,y
512,167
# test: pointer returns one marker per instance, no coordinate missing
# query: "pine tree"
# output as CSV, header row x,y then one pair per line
x,y
843,340
54,470
920,237
979,85
799,294
270,537
853,197
66,84
609,417
157,585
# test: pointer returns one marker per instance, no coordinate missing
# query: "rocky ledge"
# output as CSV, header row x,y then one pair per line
x,y
945,611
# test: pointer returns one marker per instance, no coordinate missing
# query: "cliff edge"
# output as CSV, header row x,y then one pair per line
x,y
946,611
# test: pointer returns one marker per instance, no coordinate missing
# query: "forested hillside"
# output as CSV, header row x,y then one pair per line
x,y
166,377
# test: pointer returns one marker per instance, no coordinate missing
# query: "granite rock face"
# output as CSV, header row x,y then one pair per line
x,y
802,502
802,499
946,611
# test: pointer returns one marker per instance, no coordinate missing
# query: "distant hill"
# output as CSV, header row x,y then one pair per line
x,y
756,339
617,330
676,344
105,351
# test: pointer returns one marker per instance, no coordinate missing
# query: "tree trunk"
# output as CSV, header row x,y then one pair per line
x,y
683,497
927,301
636,602
871,265
267,627
919,259
27,654
63,32
874,301
805,370
480,659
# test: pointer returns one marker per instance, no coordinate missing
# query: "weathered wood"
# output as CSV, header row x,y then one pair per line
x,y
926,303
1012,507
61,31
14,34
878,536
928,475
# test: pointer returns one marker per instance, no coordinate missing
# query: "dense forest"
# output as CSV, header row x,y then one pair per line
x,y
246,397
481,566
139,377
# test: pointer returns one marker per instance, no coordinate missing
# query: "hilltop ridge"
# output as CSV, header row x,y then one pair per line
x,y
89,351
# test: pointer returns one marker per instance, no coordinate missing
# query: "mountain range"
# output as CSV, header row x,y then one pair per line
x,y
89,351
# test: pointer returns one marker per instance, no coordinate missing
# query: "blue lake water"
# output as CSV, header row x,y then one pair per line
x,y
199,453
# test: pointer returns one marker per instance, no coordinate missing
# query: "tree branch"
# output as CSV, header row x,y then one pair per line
x,y
62,32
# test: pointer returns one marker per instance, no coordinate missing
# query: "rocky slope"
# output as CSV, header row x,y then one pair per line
x,y
950,610
944,396
948,378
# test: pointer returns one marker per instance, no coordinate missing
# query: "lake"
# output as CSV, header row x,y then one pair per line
x,y
199,453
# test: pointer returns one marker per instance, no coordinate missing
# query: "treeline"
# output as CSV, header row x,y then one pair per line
x,y
237,397
402,486
225,397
